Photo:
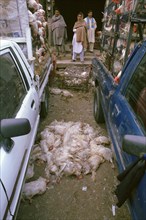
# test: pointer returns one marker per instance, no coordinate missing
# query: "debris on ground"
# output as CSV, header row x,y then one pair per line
x,y
84,188
71,148
113,210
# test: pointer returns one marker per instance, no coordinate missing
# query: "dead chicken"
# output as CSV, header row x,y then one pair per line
x,y
30,171
95,161
102,140
106,153
33,188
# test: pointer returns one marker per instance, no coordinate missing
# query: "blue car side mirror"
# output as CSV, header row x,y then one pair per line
x,y
135,145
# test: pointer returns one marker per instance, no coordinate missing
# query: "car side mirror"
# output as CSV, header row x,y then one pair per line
x,y
12,127
135,145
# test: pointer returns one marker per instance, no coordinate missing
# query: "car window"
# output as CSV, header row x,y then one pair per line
x,y
136,92
12,89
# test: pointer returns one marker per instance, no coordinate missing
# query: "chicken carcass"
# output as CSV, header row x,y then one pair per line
x,y
95,161
30,171
33,188
102,140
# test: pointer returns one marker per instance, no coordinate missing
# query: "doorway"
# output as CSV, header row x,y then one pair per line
x,y
70,8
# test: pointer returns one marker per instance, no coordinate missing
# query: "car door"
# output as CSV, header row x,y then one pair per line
x,y
127,115
18,98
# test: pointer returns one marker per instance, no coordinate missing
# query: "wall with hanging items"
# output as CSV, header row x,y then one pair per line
x,y
39,27
38,22
124,25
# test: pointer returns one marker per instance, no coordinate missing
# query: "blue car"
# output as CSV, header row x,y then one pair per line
x,y
123,107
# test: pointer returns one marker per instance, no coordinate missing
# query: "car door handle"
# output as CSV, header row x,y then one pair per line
x,y
32,104
116,111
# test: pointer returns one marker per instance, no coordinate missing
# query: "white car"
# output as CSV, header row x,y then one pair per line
x,y
21,99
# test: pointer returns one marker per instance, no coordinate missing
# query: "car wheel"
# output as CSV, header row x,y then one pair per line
x,y
98,111
45,104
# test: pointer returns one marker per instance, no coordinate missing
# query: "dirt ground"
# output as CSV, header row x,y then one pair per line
x,y
67,200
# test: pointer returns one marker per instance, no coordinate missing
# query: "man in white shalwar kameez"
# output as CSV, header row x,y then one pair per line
x,y
77,48
91,27
79,41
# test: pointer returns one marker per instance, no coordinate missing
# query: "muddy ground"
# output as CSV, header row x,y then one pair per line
x,y
67,200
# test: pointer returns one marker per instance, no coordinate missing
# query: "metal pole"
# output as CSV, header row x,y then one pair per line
x,y
50,4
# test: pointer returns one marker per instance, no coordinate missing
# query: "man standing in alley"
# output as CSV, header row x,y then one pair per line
x,y
79,41
91,27
58,27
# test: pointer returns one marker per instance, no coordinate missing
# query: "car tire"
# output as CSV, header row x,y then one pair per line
x,y
98,111
45,104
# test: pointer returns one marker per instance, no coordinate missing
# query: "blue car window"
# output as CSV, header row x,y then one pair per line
x,y
136,92
12,90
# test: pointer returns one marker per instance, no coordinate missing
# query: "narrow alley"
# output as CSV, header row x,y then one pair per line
x,y
73,110
74,198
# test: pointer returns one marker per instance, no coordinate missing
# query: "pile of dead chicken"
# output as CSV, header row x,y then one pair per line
x,y
69,148
75,77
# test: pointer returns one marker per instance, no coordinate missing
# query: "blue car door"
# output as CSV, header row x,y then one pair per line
x,y
127,115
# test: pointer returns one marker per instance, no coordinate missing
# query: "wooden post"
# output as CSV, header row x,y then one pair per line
x,y
50,4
